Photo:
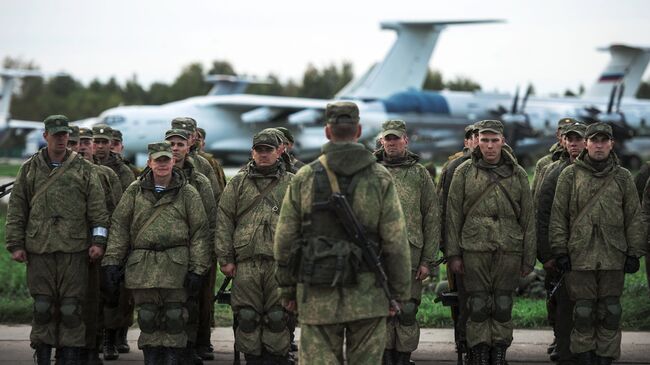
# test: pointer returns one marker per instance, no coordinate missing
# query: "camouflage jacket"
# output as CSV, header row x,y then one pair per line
x,y
204,188
419,203
115,162
444,184
645,209
242,232
544,204
174,243
203,166
376,205
111,186
496,222
612,227
216,167
60,218
543,162
641,179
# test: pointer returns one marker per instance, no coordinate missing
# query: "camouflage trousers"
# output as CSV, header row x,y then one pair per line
x,y
490,279
562,312
92,307
119,316
165,306
403,332
597,299
206,308
58,282
254,296
323,344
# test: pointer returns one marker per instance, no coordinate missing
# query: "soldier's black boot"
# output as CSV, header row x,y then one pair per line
x,y
110,350
498,354
388,358
151,355
42,354
481,354
402,358
253,359
173,356
71,356
604,360
204,352
191,356
121,343
92,356
586,358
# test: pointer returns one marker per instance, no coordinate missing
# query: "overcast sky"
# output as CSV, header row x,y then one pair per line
x,y
550,43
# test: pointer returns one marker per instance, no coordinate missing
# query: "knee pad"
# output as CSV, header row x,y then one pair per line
x,y
479,307
42,309
175,317
276,319
406,317
502,311
583,315
248,319
612,312
70,312
148,317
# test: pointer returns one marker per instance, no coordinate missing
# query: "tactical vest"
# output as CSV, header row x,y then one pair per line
x,y
326,255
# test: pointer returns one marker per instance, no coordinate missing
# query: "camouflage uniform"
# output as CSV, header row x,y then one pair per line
x,y
645,207
419,203
114,161
244,236
640,180
354,313
167,232
555,152
494,233
597,241
117,136
54,233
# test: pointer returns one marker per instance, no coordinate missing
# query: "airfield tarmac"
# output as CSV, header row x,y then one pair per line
x,y
436,347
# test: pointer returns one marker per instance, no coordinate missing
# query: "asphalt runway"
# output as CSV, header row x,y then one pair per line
x,y
436,347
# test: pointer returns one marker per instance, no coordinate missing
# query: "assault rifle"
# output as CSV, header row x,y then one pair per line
x,y
223,297
6,189
356,232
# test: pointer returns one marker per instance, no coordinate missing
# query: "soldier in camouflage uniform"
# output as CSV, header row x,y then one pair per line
x,y
554,154
247,215
161,219
199,146
640,181
491,240
645,207
419,202
297,164
178,138
56,201
355,309
283,141
559,306
117,147
118,316
597,234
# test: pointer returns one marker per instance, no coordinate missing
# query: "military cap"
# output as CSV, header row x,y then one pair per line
x,y
56,124
287,133
159,149
187,123
85,133
177,132
566,121
492,126
277,133
201,132
266,138
342,112
599,127
577,128
393,126
74,134
102,131
469,130
116,135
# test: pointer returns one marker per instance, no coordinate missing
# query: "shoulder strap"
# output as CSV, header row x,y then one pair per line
x,y
59,171
514,206
479,199
146,224
331,176
594,198
262,194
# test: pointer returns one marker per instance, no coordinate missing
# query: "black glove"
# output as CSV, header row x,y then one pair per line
x,y
112,277
193,283
563,263
631,265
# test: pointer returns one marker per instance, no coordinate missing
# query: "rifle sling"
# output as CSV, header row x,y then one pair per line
x,y
331,176
59,171
593,199
262,195
149,221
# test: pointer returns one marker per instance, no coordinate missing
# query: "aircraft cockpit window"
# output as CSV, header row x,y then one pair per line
x,y
113,120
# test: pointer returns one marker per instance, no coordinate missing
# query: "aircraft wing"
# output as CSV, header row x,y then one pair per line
x,y
24,124
260,109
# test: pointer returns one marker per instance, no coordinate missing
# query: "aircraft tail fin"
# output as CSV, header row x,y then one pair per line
x,y
626,66
9,78
406,64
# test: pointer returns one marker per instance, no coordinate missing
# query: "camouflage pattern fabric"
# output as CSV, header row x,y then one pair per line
x,y
377,206
446,175
419,202
646,218
159,297
541,163
173,244
203,166
216,167
115,162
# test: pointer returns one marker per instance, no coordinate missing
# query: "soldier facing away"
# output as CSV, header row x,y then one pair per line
x,y
491,240
341,302
56,202
597,235
162,220
419,203
247,215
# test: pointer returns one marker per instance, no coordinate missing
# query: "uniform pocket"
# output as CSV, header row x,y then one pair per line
x,y
615,236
